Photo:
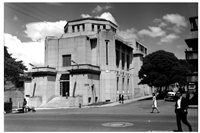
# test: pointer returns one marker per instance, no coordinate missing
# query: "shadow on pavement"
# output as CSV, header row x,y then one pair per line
x,y
149,98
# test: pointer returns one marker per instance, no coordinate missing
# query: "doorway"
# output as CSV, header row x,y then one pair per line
x,y
65,85
65,88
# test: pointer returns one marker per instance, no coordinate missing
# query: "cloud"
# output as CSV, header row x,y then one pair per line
x,y
105,15
99,8
152,32
176,19
39,30
15,18
172,22
129,33
29,52
85,16
160,22
169,38
182,46
108,16
33,52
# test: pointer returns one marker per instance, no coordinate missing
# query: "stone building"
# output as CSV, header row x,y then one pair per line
x,y
89,63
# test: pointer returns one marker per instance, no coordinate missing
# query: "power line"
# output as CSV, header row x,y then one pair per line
x,y
28,10
30,15
43,12
188,10
23,12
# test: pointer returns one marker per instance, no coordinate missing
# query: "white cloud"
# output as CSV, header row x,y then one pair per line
x,y
107,7
108,16
39,30
160,22
169,38
85,16
97,9
105,15
129,33
15,18
29,52
182,46
176,19
152,32
33,52
101,8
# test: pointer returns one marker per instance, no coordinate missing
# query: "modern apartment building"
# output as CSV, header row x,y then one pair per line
x,y
91,62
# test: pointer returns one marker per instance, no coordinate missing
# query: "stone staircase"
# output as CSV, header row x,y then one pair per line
x,y
56,102
60,102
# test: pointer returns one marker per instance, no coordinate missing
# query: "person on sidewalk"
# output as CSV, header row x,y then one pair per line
x,y
181,110
24,106
154,104
119,98
122,98
66,95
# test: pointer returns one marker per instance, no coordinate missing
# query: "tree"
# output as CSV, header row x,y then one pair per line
x,y
162,68
12,69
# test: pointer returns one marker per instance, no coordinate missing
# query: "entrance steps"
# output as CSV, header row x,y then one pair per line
x,y
60,102
57,102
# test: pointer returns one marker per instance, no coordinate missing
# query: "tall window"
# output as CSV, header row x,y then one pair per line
x,y
107,51
98,27
78,28
66,60
128,61
122,85
92,27
117,83
127,85
123,60
83,27
117,58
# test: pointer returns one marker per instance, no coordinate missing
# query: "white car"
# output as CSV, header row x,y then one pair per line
x,y
170,96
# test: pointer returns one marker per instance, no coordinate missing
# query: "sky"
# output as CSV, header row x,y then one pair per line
x,y
158,26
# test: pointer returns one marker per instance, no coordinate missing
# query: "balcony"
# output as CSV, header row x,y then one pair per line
x,y
43,71
192,78
194,23
84,68
191,54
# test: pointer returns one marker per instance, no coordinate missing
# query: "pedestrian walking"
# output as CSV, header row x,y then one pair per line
x,y
122,98
154,104
181,110
66,95
24,105
119,98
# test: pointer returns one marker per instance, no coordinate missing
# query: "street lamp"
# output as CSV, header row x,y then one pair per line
x,y
32,65
75,63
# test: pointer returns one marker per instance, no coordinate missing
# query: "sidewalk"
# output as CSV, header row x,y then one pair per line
x,y
105,105
127,101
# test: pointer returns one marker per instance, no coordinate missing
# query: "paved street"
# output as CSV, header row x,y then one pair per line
x,y
134,116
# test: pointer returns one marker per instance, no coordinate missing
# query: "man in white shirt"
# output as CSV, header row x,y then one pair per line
x,y
181,107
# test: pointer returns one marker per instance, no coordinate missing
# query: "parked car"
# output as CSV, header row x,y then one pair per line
x,y
171,96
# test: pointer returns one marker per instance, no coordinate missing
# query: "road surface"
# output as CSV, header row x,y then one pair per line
x,y
133,117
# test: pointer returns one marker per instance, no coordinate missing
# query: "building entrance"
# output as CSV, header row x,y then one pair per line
x,y
64,85
65,88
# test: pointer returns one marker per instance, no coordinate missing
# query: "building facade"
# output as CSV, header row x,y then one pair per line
x,y
192,57
91,62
